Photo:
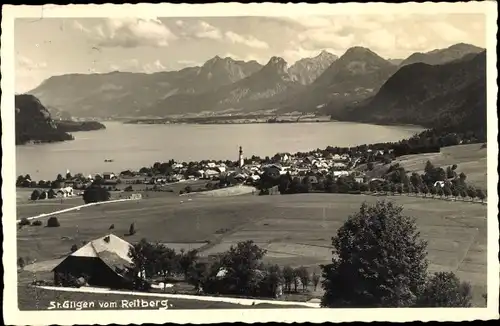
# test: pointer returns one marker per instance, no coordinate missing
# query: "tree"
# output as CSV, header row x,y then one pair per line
x,y
296,279
52,222
272,279
449,172
304,276
51,193
379,260
315,280
471,192
480,194
20,181
43,195
132,230
21,263
429,168
446,191
288,277
443,290
59,177
241,263
35,194
187,260
68,176
96,194
424,190
197,275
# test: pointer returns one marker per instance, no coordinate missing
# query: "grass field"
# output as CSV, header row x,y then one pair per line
x,y
295,229
471,159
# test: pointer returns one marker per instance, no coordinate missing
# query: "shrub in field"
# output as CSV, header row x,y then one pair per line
x,y
35,194
24,221
53,222
43,195
444,289
37,223
51,193
398,274
96,194
132,230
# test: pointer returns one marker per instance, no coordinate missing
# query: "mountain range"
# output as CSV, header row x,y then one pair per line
x,y
450,96
324,83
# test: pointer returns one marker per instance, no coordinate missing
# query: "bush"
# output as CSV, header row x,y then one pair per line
x,y
35,194
37,223
132,230
74,248
444,289
96,194
53,222
51,193
43,195
24,221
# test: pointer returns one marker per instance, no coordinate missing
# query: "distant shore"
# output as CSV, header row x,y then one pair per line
x,y
234,120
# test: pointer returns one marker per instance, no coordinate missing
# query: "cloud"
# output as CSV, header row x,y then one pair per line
x,y
387,35
249,40
203,30
153,67
188,63
26,64
129,33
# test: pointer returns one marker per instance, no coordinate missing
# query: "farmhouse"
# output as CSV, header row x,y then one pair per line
x,y
65,192
102,262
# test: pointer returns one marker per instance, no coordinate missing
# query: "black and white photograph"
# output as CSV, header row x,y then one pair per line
x,y
278,162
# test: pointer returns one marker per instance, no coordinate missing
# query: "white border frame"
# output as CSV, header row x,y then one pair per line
x,y
12,314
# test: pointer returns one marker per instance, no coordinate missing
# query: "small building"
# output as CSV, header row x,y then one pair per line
x,y
108,176
102,262
65,192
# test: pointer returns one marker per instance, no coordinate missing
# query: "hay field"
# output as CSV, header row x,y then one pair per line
x,y
295,229
471,159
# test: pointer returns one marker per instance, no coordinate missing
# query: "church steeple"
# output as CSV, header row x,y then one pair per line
x,y
240,157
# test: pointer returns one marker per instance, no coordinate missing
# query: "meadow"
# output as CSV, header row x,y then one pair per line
x,y
471,159
294,229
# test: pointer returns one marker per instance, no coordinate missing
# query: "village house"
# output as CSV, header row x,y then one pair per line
x,y
102,262
65,192
108,176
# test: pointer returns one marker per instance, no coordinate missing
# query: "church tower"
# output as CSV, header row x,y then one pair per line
x,y
240,157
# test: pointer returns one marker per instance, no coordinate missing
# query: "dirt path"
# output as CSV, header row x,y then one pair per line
x,y
240,301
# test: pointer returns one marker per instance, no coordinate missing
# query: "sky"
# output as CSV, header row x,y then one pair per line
x,y
56,46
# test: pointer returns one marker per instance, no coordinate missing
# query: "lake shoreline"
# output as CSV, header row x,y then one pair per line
x,y
133,145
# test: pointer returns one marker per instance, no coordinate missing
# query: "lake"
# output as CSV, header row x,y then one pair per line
x,y
132,146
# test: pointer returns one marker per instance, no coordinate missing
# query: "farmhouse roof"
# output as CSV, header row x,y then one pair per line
x,y
108,248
